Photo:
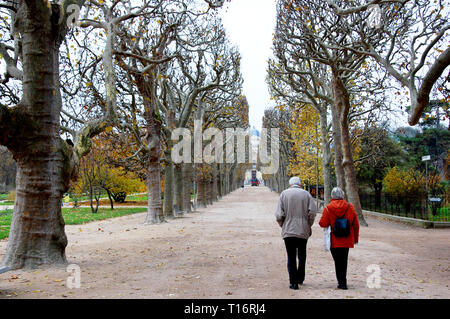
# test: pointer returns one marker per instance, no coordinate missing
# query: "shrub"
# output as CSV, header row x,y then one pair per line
x,y
404,183
11,196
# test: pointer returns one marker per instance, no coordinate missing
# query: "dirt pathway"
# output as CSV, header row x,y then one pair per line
x,y
233,249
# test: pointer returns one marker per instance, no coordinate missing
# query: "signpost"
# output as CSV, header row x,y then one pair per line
x,y
425,159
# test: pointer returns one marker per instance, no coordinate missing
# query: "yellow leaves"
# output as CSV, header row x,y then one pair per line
x,y
306,139
108,129
13,277
159,21
88,84
133,39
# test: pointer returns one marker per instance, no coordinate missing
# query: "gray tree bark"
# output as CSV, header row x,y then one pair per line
x,y
326,156
337,141
178,189
168,189
187,187
342,103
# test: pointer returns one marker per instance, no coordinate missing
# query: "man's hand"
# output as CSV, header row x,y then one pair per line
x,y
280,222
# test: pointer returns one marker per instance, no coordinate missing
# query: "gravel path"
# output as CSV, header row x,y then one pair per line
x,y
233,249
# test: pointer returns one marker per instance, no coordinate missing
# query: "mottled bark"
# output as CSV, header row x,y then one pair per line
x,y
178,189
201,190
168,189
31,131
187,187
337,143
155,212
37,234
342,102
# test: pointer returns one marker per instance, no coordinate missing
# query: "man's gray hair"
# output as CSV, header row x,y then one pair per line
x,y
295,181
337,193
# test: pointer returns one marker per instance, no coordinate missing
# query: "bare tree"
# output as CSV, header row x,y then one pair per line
x,y
314,33
413,47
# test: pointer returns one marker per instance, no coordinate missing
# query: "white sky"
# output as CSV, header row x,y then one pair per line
x,y
250,25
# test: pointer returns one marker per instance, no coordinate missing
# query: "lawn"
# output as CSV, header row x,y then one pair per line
x,y
73,216
7,203
3,196
443,214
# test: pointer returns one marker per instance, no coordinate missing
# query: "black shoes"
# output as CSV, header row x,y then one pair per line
x,y
293,286
343,287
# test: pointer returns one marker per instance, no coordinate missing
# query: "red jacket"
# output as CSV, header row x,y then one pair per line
x,y
337,208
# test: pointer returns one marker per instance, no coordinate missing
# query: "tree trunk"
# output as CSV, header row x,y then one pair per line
x,y
337,141
326,157
37,234
187,187
219,181
155,213
201,190
178,190
342,103
168,189
215,188
91,200
111,202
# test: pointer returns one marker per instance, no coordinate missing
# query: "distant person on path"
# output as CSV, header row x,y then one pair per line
x,y
295,214
339,208
242,187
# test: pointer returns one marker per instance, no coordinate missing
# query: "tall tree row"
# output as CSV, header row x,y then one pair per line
x,y
70,77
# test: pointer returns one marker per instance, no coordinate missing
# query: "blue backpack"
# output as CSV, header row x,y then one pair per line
x,y
341,226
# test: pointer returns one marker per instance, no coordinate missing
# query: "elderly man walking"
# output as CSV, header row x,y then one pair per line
x,y
295,214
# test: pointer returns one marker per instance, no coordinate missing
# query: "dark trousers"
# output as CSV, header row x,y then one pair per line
x,y
340,256
296,247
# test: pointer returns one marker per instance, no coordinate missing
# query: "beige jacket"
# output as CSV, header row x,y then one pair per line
x,y
296,212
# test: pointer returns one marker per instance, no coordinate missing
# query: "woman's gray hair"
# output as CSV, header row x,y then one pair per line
x,y
295,181
337,193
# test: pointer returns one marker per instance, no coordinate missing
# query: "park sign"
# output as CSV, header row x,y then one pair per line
x,y
435,199
426,158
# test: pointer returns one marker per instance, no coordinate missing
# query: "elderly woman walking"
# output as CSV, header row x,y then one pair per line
x,y
342,218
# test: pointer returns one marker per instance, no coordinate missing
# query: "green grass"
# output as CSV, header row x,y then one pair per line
x,y
73,216
443,214
5,222
84,198
142,197
7,203
3,196
136,198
